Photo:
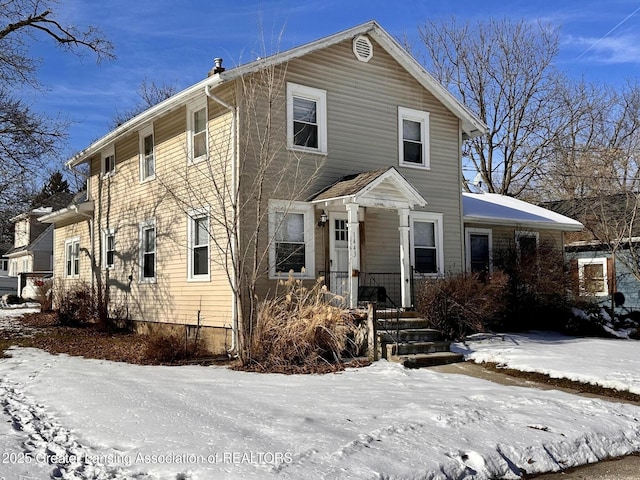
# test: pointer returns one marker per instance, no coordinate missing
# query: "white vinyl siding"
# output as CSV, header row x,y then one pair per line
x,y
306,118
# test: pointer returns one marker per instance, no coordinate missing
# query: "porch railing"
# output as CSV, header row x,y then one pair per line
x,y
388,283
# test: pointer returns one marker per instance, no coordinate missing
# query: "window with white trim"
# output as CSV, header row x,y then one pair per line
x,y
147,154
427,244
109,247
291,230
148,251
198,140
306,118
478,248
592,275
199,236
108,162
72,258
413,135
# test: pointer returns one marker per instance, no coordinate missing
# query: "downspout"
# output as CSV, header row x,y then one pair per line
x,y
234,181
91,225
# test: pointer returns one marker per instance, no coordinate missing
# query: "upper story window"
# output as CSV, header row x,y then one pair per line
x,y
427,252
292,238
108,162
147,154
197,139
72,257
413,133
199,258
306,118
148,251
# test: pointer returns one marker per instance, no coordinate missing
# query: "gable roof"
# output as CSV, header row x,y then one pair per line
x,y
496,209
472,126
384,188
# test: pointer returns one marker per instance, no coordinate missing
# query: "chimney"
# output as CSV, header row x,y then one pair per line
x,y
218,68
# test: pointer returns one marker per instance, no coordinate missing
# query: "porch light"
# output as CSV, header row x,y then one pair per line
x,y
323,219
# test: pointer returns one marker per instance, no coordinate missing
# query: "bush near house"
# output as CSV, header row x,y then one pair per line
x,y
299,330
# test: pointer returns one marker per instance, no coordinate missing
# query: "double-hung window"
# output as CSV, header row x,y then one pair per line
x,y
413,135
306,118
109,242
291,233
108,162
593,277
527,248
427,254
147,154
72,257
199,235
198,142
148,251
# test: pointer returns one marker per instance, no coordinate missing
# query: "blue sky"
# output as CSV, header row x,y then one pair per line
x,y
175,42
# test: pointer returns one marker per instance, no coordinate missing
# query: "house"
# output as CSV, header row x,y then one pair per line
x,y
604,256
340,158
495,224
4,260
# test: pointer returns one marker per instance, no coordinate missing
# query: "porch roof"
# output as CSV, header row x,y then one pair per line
x,y
495,209
382,188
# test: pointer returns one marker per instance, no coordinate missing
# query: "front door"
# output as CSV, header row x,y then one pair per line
x,y
339,254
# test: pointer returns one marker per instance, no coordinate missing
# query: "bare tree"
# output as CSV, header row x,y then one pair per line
x,y
150,94
26,136
503,70
237,195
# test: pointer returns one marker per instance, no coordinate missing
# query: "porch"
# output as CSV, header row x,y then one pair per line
x,y
383,288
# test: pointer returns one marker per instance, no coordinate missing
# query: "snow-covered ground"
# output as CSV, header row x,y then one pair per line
x,y
68,417
610,363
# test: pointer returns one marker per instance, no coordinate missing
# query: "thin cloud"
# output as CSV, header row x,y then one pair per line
x,y
609,50
605,37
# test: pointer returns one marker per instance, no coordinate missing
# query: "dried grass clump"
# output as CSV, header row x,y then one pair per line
x,y
300,330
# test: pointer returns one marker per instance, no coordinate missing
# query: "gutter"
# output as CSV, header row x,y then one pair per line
x,y
234,181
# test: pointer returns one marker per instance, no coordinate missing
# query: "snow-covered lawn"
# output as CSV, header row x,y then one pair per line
x,y
610,363
97,419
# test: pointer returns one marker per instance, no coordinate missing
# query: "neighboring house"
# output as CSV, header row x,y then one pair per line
x,y
599,256
4,260
495,224
363,188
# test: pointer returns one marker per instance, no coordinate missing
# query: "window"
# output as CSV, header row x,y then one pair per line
x,y
109,242
72,257
527,248
198,143
199,259
291,230
108,162
592,275
307,118
413,133
479,250
148,251
147,154
4,265
427,253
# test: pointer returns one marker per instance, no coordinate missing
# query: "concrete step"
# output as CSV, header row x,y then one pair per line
x,y
404,323
413,348
410,335
427,359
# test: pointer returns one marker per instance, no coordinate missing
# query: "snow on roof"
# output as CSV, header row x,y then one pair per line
x,y
502,210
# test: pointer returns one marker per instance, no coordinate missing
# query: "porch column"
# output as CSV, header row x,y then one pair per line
x,y
354,252
405,258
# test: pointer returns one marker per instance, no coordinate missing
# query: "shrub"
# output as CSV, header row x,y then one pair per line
x,y
459,305
300,329
171,347
75,304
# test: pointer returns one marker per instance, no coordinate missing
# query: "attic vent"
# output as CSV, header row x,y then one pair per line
x,y
362,48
